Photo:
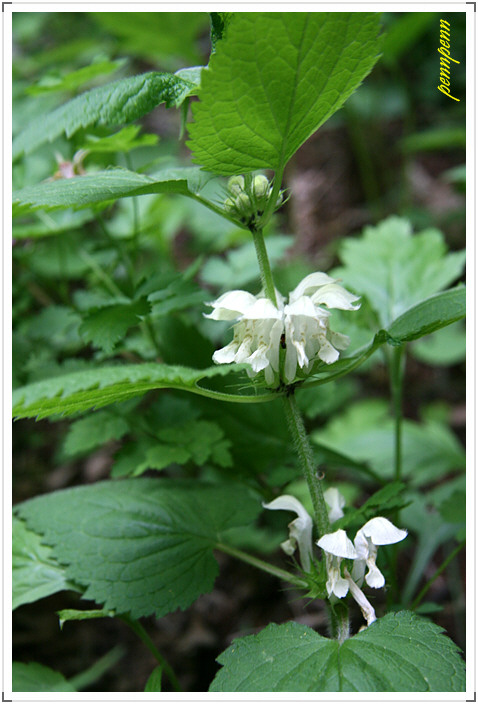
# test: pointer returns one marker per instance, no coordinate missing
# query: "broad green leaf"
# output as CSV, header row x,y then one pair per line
x,y
154,680
219,24
75,79
366,433
35,573
431,314
33,677
92,431
84,390
105,326
444,347
385,500
395,269
85,615
116,103
103,186
273,81
400,652
140,546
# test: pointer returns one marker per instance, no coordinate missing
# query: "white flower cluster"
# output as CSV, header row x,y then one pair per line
x,y
337,547
302,325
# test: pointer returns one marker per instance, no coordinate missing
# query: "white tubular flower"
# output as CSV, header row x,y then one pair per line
x,y
336,546
304,324
378,531
366,607
300,529
335,501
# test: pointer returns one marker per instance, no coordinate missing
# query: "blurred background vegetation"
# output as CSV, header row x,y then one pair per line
x,y
398,147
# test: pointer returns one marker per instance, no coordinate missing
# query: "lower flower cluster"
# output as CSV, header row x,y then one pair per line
x,y
337,547
301,326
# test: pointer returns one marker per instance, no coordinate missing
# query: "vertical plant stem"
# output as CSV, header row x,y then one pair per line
x,y
137,628
306,457
436,574
264,265
397,360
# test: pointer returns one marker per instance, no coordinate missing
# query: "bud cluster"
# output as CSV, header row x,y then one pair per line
x,y
248,198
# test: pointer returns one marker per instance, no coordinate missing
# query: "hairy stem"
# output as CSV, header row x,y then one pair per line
x,y
260,564
306,457
264,265
137,628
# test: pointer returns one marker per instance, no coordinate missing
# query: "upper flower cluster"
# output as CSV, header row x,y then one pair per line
x,y
301,326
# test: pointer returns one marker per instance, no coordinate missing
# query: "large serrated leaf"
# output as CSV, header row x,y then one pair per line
x,y
398,653
33,677
103,186
95,388
140,546
35,574
273,81
116,103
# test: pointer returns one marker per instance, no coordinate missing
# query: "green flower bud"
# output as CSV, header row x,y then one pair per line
x,y
260,186
243,203
236,185
229,204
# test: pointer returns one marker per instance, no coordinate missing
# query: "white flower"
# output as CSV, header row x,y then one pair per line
x,y
304,324
335,501
300,529
336,546
378,531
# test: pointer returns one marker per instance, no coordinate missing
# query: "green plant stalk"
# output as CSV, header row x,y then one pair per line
x,y
137,628
261,565
271,205
264,265
306,457
438,572
397,360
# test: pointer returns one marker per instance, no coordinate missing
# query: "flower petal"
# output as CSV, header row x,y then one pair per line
x,y
336,296
262,309
231,305
310,284
337,544
335,501
382,532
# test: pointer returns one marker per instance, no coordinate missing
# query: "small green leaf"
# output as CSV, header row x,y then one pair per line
x,y
105,326
75,79
383,501
154,680
84,390
398,653
93,431
140,546
33,677
396,269
116,103
431,314
273,81
123,141
35,573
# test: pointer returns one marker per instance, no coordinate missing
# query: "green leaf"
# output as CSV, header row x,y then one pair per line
x,y
273,81
116,103
105,326
123,141
85,615
33,677
35,573
444,347
366,433
104,186
95,388
88,433
431,314
398,653
52,224
154,680
383,501
140,546
75,79
219,24
395,269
